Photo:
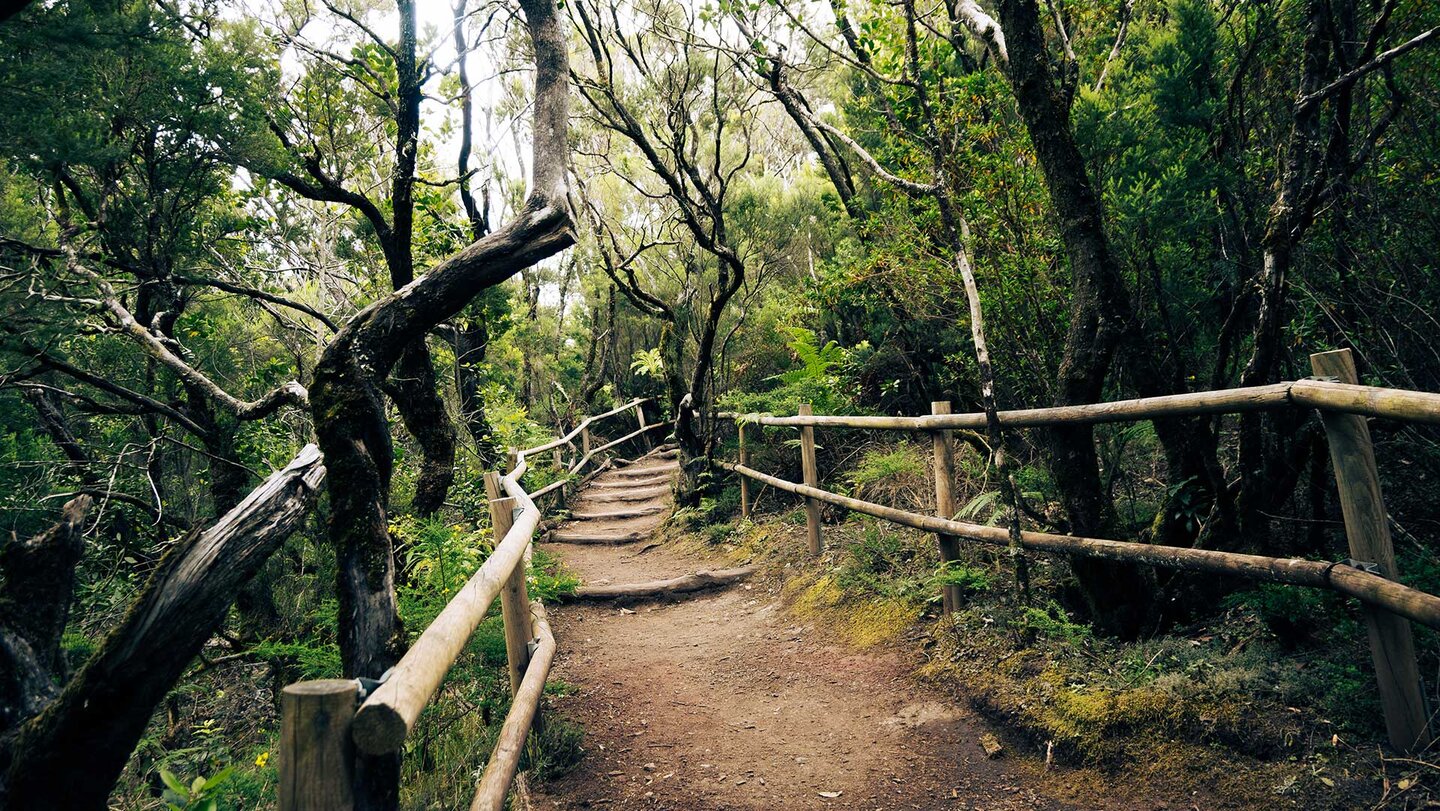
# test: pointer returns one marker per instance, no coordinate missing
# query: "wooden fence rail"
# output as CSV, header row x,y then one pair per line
x,y
1343,404
321,729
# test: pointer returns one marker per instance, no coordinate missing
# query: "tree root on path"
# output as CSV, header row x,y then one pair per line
x,y
656,589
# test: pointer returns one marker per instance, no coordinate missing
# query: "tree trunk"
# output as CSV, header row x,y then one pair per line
x,y
70,756
349,414
471,344
417,396
34,606
1100,314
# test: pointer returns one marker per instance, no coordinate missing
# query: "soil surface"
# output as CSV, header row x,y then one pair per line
x,y
723,701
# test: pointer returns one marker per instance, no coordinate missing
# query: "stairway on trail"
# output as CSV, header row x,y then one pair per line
x,y
723,700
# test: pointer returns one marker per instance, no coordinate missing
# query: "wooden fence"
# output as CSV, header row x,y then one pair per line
x,y
321,727
1343,406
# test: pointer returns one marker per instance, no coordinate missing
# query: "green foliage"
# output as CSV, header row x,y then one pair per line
x,y
439,557
201,794
970,579
309,659
1052,622
903,461
648,363
1294,615
548,579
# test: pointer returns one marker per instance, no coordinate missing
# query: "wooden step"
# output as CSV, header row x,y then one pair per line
x,y
647,472
661,589
620,515
582,536
604,496
617,484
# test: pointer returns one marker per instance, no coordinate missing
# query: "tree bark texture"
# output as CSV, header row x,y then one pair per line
x,y
71,754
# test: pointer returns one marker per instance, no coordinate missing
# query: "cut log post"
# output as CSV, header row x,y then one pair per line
x,y
512,459
1368,530
514,601
585,441
744,458
640,419
945,501
557,458
317,757
812,478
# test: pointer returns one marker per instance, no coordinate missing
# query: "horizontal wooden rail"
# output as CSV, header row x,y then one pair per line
x,y
1373,589
1371,401
389,714
1412,406
387,717
505,758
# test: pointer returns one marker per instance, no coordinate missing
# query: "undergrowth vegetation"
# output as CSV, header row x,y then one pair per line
x,y
217,739
1267,698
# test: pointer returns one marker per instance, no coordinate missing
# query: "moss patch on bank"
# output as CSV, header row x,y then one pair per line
x,y
1229,710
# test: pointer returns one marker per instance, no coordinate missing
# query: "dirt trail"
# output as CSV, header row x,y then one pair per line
x,y
723,701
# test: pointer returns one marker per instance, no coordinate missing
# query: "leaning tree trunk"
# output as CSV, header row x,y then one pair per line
x,y
349,413
70,755
34,606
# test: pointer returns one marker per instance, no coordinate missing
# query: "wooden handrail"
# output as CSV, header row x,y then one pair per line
x,y
505,757
1373,589
1411,406
1343,404
389,714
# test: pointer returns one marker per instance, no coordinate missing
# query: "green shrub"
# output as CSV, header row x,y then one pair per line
x,y
970,579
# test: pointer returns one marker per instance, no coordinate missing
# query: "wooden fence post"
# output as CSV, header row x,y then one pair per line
x,y
512,459
640,418
945,500
514,601
557,458
812,478
317,757
743,457
1368,529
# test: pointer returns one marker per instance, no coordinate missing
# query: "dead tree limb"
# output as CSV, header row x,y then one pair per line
x,y
71,754
34,605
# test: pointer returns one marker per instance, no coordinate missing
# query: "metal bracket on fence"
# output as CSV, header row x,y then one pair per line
x,y
531,647
1324,378
368,686
1364,566
516,512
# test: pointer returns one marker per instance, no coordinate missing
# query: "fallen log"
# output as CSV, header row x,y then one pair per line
x,y
656,589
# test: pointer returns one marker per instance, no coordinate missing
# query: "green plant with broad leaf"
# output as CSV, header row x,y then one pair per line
x,y
202,794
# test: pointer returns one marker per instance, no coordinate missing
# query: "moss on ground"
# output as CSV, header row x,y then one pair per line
x,y
1226,711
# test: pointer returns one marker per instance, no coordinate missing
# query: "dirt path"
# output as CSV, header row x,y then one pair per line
x,y
722,701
